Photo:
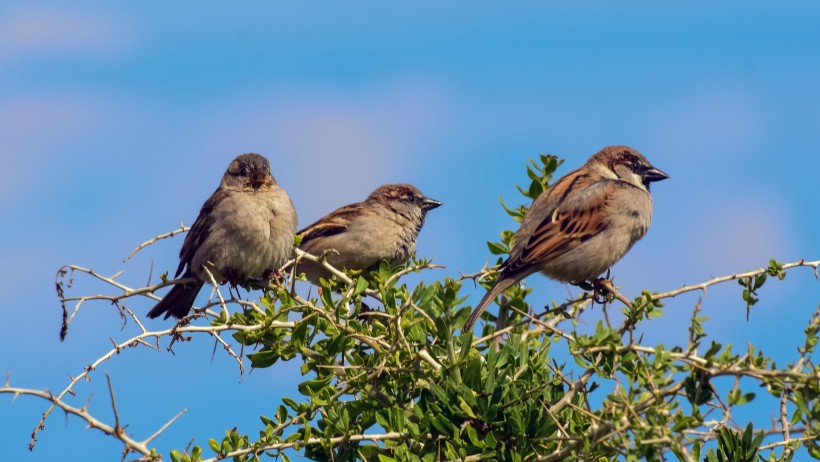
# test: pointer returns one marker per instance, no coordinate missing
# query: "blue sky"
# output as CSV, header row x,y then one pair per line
x,y
117,121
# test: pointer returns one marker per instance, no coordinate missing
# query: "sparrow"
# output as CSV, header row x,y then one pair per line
x,y
359,236
245,230
582,224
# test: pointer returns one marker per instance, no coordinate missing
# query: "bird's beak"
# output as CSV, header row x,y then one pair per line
x,y
429,204
653,174
258,179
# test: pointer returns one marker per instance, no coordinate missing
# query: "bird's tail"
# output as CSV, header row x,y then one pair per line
x,y
178,301
500,286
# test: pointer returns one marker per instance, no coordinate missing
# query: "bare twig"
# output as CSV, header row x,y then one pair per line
x,y
130,443
732,277
140,340
784,417
117,427
145,244
164,427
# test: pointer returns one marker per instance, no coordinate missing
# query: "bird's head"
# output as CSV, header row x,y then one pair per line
x,y
404,199
628,165
248,172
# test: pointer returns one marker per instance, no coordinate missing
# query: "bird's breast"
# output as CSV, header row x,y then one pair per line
x,y
251,232
628,215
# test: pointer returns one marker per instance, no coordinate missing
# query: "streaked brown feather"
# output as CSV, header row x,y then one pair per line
x,y
199,231
333,223
568,224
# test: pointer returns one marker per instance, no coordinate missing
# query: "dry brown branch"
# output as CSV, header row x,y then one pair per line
x,y
140,340
396,340
182,228
130,443
732,277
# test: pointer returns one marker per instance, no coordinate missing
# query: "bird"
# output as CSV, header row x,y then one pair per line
x,y
244,230
583,224
359,236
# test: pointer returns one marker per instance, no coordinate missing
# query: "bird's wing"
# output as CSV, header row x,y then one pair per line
x,y
574,213
333,223
199,230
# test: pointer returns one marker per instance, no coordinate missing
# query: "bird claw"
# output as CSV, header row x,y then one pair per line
x,y
273,274
601,292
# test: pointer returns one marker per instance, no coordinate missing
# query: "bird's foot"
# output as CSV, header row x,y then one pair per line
x,y
273,274
233,291
601,290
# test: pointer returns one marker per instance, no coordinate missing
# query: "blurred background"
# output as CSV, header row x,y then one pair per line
x,y
117,121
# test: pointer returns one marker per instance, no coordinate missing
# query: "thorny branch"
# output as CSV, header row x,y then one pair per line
x,y
151,339
178,331
145,244
733,277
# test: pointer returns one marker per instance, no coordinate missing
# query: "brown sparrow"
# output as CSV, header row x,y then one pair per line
x,y
582,224
358,236
244,230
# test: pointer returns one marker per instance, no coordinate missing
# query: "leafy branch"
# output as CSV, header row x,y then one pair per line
x,y
403,381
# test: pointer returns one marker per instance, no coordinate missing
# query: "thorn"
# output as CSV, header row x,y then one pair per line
x,y
85,406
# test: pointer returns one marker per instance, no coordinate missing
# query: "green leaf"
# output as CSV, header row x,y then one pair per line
x,y
291,403
264,358
308,431
439,392
311,387
736,397
281,414
361,285
497,249
713,349
426,295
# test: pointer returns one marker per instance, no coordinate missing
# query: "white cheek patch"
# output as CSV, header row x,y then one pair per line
x,y
637,180
607,173
625,174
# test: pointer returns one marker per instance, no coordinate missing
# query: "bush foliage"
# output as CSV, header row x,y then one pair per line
x,y
390,375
